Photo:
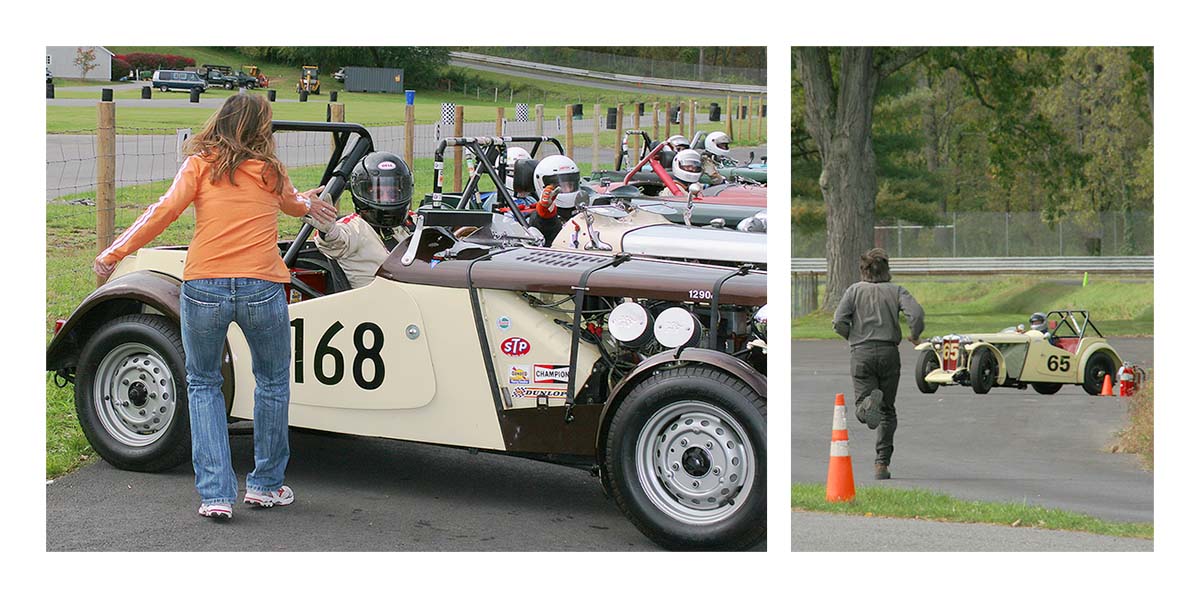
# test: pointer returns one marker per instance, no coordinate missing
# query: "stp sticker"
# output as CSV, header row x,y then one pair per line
x,y
518,374
514,346
551,374
534,392
503,322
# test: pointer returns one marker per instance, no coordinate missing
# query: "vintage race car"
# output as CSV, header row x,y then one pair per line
x,y
1072,352
650,373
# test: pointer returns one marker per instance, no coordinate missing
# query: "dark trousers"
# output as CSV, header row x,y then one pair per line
x,y
874,365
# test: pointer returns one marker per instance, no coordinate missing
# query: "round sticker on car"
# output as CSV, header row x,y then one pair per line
x,y
514,346
503,322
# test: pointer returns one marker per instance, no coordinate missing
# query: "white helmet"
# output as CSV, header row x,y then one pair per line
x,y
559,171
717,144
510,159
675,141
687,166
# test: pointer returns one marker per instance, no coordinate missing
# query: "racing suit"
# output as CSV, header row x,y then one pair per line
x,y
869,317
356,247
709,166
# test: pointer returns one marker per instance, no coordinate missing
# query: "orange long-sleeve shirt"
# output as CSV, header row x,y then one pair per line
x,y
236,225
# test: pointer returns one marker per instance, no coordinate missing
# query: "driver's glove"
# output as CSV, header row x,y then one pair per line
x,y
545,205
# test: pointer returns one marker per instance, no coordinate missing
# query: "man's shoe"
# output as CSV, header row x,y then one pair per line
x,y
217,511
870,409
282,496
882,473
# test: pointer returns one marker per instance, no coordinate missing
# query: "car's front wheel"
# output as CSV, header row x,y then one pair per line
x,y
131,393
926,364
686,459
1098,366
164,88
983,371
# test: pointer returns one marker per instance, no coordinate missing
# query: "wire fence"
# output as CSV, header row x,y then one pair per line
x,y
1005,234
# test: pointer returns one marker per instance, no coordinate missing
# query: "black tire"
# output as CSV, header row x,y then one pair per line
x,y
228,85
163,346
983,370
1098,365
927,362
164,88
648,415
1046,388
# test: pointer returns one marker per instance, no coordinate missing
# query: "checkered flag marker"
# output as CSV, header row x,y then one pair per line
x,y
447,113
522,113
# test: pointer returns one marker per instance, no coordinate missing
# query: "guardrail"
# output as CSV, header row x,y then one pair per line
x,y
574,72
1002,265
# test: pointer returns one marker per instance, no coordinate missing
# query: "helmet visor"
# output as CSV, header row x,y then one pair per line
x,y
383,189
567,182
690,165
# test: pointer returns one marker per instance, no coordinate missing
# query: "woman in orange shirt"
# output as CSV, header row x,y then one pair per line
x,y
233,273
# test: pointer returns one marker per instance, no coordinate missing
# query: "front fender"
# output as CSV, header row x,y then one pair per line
x,y
722,361
125,295
1103,347
1002,371
923,346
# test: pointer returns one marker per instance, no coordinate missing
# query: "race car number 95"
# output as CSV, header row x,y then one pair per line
x,y
329,365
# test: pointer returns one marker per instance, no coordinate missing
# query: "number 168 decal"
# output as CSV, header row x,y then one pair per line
x,y
329,364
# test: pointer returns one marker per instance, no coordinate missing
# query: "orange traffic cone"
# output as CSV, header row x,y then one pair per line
x,y
839,485
1106,390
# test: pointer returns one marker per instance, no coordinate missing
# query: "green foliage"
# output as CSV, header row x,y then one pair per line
x,y
421,64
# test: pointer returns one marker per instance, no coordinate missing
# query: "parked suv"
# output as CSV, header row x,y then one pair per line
x,y
187,80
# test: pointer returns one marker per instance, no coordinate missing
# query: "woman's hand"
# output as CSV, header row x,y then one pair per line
x,y
322,213
312,194
102,268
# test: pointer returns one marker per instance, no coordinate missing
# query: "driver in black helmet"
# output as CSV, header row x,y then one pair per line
x,y
382,187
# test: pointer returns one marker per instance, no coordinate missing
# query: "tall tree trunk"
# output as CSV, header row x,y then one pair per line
x,y
929,126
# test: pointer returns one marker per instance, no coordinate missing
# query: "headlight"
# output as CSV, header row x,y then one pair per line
x,y
758,324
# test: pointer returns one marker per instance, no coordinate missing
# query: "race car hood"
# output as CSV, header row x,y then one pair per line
x,y
696,243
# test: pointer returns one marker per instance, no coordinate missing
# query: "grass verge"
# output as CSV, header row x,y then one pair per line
x,y
908,503
1138,436
1120,305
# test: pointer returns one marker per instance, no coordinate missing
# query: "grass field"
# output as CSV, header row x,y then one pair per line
x,y
1119,305
905,503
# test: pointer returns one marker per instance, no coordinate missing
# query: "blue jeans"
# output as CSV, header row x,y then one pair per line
x,y
260,309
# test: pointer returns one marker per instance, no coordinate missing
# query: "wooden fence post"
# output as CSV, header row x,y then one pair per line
x,y
106,176
539,111
619,131
750,116
729,116
742,121
668,133
761,115
596,127
410,130
570,112
636,143
337,114
692,117
655,137
499,121
458,151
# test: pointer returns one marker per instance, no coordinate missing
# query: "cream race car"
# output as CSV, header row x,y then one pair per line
x,y
1072,352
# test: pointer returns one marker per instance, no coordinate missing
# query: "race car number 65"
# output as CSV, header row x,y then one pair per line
x,y
363,353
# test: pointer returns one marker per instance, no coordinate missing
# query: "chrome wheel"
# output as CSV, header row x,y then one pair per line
x,y
694,462
134,394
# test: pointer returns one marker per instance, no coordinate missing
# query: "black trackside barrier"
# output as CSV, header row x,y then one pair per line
x,y
194,96
270,95
745,112
611,121
577,110
641,108
106,95
49,91
303,96
337,171
763,110
146,92
332,96
675,115
714,113
328,113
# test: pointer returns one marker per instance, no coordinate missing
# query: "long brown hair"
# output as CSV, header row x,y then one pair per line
x,y
874,266
240,131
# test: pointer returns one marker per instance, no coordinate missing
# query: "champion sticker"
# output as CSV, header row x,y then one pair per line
x,y
503,322
550,374
518,374
387,165
537,392
514,346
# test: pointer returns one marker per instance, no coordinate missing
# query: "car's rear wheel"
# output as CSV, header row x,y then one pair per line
x,y
686,460
1098,366
926,363
228,85
983,371
164,88
131,393
1046,388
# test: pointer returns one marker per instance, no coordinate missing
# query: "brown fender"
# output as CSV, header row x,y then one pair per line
x,y
716,359
122,296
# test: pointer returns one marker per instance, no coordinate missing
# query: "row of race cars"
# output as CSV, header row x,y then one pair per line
x,y
631,344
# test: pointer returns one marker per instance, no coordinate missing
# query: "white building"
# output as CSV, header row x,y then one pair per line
x,y
61,60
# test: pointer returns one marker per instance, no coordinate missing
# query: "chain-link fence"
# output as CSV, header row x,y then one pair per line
x,y
1000,234
632,65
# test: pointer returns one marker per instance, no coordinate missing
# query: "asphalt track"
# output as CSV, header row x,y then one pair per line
x,y
825,532
1008,445
352,494
580,81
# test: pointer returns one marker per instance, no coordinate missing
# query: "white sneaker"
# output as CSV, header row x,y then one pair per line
x,y
282,496
218,511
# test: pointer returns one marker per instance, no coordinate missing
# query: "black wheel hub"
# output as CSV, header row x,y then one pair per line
x,y
696,462
138,393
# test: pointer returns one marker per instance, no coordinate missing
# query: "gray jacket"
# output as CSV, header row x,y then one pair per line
x,y
870,311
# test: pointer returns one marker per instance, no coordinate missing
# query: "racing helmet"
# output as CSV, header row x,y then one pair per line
x,y
510,162
677,142
561,172
717,144
382,187
1038,322
687,166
